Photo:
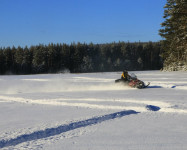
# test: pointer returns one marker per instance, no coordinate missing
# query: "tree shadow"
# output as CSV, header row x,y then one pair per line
x,y
63,128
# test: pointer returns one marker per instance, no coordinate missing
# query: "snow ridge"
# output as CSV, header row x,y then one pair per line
x,y
63,128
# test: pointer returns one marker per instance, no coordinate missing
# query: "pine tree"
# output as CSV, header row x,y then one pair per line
x,y
8,59
175,33
2,62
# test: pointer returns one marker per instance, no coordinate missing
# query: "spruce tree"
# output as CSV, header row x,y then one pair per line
x,y
174,32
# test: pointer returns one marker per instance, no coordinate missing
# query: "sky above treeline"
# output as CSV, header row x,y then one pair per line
x,y
33,22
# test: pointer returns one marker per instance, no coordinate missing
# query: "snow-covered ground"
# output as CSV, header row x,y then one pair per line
x,y
89,111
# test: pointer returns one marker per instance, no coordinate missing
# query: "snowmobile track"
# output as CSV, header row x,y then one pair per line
x,y
63,128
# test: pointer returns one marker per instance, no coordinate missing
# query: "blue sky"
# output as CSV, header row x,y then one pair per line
x,y
32,22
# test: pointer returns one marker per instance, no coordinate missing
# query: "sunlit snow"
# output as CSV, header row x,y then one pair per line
x,y
89,111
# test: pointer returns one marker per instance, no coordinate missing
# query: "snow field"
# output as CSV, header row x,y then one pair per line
x,y
81,111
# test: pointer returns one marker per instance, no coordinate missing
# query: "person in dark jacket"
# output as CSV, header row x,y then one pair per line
x,y
125,76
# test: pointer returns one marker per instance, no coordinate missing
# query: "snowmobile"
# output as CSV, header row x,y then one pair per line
x,y
133,81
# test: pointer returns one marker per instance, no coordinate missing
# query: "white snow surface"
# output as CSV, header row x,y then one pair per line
x,y
89,111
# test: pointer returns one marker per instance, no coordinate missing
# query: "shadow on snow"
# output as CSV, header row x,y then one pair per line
x,y
152,108
155,86
63,128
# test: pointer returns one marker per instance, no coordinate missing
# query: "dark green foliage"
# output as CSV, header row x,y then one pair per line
x,y
80,57
2,62
174,32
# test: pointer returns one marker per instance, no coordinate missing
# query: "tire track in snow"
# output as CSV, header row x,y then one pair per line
x,y
152,102
62,103
165,107
48,132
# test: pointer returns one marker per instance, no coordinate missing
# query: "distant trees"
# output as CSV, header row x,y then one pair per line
x,y
80,57
174,32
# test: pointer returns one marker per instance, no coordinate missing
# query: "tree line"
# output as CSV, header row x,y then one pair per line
x,y
80,57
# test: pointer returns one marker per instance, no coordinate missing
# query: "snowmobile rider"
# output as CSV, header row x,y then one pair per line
x,y
125,76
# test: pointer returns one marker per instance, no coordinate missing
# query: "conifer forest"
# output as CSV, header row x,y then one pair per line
x,y
169,53
80,57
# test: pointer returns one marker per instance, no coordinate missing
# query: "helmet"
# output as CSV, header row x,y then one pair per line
x,y
125,71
